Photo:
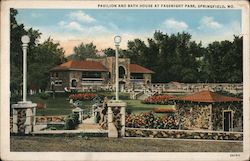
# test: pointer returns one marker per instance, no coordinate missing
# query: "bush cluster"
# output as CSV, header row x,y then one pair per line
x,y
82,96
71,121
44,95
149,120
161,99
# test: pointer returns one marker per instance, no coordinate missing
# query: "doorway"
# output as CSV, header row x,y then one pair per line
x,y
122,72
228,123
122,86
73,83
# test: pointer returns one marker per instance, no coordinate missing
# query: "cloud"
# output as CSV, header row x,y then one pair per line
x,y
81,17
174,25
71,26
36,15
209,23
225,32
74,26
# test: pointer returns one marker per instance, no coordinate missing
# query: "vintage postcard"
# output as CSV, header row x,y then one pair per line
x,y
124,80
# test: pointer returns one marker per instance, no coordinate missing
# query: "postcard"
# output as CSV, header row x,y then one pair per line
x,y
124,80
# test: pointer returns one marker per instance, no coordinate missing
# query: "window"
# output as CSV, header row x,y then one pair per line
x,y
91,75
54,74
136,76
58,83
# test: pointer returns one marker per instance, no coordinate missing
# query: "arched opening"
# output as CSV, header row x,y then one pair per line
x,y
73,83
121,72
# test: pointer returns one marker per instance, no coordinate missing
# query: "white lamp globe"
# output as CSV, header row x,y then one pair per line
x,y
25,39
117,40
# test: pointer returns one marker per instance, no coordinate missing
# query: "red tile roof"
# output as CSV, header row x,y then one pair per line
x,y
82,65
135,68
208,96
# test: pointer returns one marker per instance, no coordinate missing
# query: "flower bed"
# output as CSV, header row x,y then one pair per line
x,y
161,99
82,96
149,120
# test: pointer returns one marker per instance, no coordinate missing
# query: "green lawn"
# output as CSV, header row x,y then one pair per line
x,y
136,106
103,144
58,106
61,106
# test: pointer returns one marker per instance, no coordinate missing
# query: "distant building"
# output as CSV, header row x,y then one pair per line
x,y
97,73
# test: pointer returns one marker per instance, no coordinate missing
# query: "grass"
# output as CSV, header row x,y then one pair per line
x,y
136,106
100,144
58,106
61,106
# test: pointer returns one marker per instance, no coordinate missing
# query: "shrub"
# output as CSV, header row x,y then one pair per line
x,y
82,96
15,97
71,121
161,99
44,95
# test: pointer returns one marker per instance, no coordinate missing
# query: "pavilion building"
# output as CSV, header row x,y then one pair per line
x,y
97,74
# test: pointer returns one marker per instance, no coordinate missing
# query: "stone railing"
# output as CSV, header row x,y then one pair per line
x,y
183,134
50,119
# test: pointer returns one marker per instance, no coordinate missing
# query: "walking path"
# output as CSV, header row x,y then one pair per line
x,y
88,126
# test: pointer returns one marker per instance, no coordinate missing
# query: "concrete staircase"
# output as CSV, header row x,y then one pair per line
x,y
145,95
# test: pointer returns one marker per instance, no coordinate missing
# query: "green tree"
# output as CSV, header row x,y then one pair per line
x,y
40,59
45,56
109,52
84,51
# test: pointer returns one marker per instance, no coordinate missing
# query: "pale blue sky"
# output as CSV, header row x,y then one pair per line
x,y
72,26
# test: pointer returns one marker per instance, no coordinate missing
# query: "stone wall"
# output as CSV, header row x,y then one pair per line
x,y
237,110
208,116
183,134
235,88
49,119
63,76
193,116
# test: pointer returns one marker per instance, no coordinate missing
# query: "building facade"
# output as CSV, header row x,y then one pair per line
x,y
94,74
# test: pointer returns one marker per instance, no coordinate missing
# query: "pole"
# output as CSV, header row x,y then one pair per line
x,y
25,46
116,74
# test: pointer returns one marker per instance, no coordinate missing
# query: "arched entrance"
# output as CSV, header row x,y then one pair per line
x,y
73,83
122,72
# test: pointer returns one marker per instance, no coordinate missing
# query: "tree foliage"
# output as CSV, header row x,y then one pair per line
x,y
40,59
173,57
84,51
176,57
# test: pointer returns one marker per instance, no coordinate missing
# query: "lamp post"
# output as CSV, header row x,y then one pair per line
x,y
24,110
117,40
25,40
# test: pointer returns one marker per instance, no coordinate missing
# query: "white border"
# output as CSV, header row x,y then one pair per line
x,y
5,76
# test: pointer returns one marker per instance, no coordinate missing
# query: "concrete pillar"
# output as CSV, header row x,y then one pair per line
x,y
78,111
15,127
123,120
112,129
211,117
29,118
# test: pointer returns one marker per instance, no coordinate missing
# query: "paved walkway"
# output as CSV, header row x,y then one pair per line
x,y
88,126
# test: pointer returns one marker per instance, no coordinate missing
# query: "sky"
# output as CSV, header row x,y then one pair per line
x,y
70,27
